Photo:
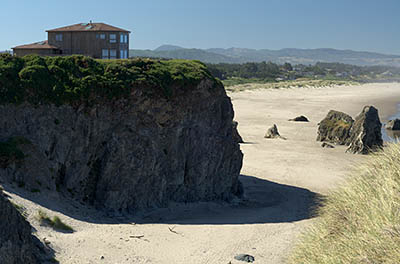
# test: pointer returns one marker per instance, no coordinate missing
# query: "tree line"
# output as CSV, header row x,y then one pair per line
x,y
271,71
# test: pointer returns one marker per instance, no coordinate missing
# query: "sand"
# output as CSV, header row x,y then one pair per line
x,y
280,177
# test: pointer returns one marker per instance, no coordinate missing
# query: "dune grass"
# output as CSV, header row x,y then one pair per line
x,y
54,222
299,83
360,222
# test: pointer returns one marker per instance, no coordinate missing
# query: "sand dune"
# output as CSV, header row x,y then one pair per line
x,y
281,179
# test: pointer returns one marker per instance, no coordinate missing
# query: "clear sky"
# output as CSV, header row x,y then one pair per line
x,y
367,25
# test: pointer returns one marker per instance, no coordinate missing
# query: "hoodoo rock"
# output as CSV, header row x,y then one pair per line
x,y
17,245
366,133
131,135
335,128
393,124
235,133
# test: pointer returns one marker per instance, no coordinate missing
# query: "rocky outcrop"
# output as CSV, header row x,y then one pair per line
x,y
272,132
362,135
235,133
17,245
335,128
366,133
393,124
299,119
131,153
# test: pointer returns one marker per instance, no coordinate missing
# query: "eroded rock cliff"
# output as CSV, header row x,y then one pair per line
x,y
142,148
17,245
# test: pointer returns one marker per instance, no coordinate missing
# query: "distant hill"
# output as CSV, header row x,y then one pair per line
x,y
189,54
168,48
294,56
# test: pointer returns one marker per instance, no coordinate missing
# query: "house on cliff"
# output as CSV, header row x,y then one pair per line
x,y
97,40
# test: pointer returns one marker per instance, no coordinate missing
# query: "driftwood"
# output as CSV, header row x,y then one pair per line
x,y
173,231
138,237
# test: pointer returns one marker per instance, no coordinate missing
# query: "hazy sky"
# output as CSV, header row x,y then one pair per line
x,y
370,25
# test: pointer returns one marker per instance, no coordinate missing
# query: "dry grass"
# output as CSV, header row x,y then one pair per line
x,y
360,222
54,222
301,83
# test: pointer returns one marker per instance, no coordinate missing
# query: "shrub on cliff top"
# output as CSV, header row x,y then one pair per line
x,y
60,80
360,222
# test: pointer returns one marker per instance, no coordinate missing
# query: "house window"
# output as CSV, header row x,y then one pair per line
x,y
59,37
113,38
123,54
123,38
104,54
102,36
113,54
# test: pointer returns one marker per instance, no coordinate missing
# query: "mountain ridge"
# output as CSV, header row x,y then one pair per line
x,y
291,55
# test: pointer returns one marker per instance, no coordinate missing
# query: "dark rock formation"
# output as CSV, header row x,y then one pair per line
x,y
365,134
235,133
393,124
245,257
272,132
131,153
300,119
327,145
335,128
17,245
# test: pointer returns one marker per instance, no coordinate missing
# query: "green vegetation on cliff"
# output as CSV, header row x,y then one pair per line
x,y
60,80
360,223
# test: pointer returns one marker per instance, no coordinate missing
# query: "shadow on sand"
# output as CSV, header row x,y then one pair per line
x,y
263,202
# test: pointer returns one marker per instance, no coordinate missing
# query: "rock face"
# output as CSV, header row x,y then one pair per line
x,y
17,244
133,153
235,133
335,128
272,132
366,133
300,119
393,124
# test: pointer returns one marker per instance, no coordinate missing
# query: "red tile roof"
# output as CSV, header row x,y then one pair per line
x,y
37,45
88,27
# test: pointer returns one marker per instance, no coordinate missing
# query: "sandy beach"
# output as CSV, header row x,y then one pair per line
x,y
281,178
